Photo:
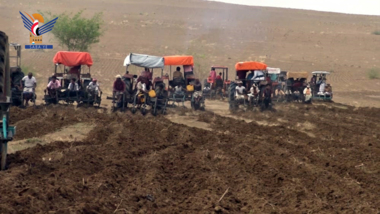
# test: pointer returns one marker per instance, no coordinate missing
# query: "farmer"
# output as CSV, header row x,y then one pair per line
x,y
212,74
53,86
93,87
73,89
177,77
219,77
322,87
307,93
240,91
267,95
30,85
254,92
178,91
118,88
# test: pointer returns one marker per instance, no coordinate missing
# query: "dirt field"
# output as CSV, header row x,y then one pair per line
x,y
320,158
217,34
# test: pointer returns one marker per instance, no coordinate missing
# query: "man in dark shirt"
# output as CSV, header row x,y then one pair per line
x,y
267,94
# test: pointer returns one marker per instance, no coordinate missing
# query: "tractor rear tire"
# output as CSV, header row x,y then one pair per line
x,y
4,61
4,70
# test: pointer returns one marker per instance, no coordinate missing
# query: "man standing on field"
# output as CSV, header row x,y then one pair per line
x,y
30,84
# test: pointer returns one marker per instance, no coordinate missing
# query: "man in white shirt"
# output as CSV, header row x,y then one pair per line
x,y
178,90
322,87
141,87
93,87
73,88
30,84
240,89
307,93
254,92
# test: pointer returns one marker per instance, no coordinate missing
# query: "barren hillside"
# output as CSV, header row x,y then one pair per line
x,y
219,34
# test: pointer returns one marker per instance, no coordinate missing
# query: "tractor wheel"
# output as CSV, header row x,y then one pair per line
x,y
4,71
4,61
154,108
134,103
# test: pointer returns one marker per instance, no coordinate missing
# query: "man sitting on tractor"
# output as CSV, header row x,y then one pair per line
x,y
322,87
118,88
53,86
178,91
30,84
142,86
177,77
240,91
328,90
307,93
254,92
197,85
93,88
219,77
73,89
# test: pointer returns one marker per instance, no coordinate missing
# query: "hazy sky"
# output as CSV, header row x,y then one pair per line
x,y
367,7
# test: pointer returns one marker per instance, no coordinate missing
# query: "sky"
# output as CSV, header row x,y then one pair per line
x,y
363,7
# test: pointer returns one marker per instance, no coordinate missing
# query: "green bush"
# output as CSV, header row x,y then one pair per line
x,y
76,33
374,73
376,32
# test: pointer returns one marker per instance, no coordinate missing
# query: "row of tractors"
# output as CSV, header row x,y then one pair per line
x,y
162,92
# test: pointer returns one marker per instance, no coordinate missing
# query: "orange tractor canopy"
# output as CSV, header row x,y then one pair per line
x,y
243,67
247,66
179,60
72,59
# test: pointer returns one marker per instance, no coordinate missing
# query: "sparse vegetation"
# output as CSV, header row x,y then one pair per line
x,y
26,69
33,140
374,73
76,33
376,32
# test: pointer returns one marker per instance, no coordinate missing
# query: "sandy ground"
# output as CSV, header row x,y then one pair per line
x,y
217,34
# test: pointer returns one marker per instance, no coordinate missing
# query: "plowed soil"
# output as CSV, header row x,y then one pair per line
x,y
298,159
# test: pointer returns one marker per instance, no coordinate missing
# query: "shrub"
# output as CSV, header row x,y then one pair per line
x,y
76,33
374,73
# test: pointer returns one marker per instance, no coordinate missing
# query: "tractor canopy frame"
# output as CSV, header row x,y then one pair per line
x,y
75,60
185,61
145,61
